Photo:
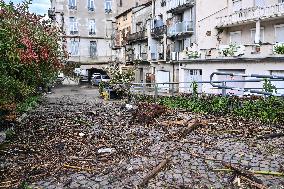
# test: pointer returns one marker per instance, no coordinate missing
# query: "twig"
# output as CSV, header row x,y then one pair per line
x,y
154,172
191,127
242,172
277,174
75,167
257,185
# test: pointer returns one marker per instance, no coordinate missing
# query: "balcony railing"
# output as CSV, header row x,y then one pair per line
x,y
158,28
251,14
185,27
179,5
141,35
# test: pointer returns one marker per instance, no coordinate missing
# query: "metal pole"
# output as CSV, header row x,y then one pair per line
x,y
144,88
172,88
224,89
156,91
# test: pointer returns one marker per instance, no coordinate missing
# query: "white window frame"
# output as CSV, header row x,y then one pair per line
x,y
90,2
73,25
108,9
253,36
74,48
72,4
92,27
235,32
277,26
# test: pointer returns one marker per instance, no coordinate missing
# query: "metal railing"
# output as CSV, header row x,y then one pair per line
x,y
221,87
250,14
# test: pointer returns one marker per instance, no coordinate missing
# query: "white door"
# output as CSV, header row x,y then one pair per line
x,y
163,77
278,84
189,77
233,84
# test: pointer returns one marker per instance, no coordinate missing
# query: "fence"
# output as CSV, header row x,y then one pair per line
x,y
221,86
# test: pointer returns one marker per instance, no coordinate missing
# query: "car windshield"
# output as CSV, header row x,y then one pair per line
x,y
105,77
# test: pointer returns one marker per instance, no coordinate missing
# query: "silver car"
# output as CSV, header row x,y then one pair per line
x,y
99,78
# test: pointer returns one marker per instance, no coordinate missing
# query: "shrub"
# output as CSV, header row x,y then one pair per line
x,y
30,53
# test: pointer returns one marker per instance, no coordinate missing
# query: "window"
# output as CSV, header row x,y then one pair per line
x,y
74,48
252,31
259,3
237,5
108,6
73,26
281,1
93,49
236,37
120,3
279,33
92,27
91,5
72,4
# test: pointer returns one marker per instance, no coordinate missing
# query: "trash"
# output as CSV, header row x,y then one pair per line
x,y
81,134
106,150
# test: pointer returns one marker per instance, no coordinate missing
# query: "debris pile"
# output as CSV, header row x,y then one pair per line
x,y
137,146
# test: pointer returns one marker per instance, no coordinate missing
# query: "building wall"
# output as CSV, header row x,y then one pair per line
x,y
104,28
253,67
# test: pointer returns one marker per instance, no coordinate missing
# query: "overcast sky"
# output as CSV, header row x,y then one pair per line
x,y
38,6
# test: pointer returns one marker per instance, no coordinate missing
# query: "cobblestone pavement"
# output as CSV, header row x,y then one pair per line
x,y
137,149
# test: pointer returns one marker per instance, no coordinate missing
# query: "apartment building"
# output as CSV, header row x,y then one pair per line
x,y
248,29
88,27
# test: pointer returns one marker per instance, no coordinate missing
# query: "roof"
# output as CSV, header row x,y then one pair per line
x,y
130,9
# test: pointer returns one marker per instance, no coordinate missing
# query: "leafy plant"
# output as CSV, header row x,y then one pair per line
x,y
279,49
266,110
194,87
31,53
231,50
269,87
193,54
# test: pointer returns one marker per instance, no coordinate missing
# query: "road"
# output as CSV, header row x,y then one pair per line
x,y
74,139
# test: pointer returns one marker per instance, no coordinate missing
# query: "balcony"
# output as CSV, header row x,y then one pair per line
x,y
181,28
142,56
251,14
138,36
176,6
158,28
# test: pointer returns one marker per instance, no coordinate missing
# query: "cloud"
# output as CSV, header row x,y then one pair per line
x,y
38,6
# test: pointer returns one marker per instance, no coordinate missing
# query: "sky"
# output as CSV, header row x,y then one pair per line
x,y
38,6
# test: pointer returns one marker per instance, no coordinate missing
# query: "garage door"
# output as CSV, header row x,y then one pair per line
x,y
278,84
163,77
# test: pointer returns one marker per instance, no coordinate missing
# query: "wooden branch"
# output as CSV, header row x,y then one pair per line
x,y
277,174
191,127
154,172
257,185
243,172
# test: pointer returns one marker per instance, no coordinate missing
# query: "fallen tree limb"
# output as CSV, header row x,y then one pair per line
x,y
270,136
154,172
277,174
191,127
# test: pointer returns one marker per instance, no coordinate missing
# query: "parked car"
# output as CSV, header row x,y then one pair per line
x,y
99,78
